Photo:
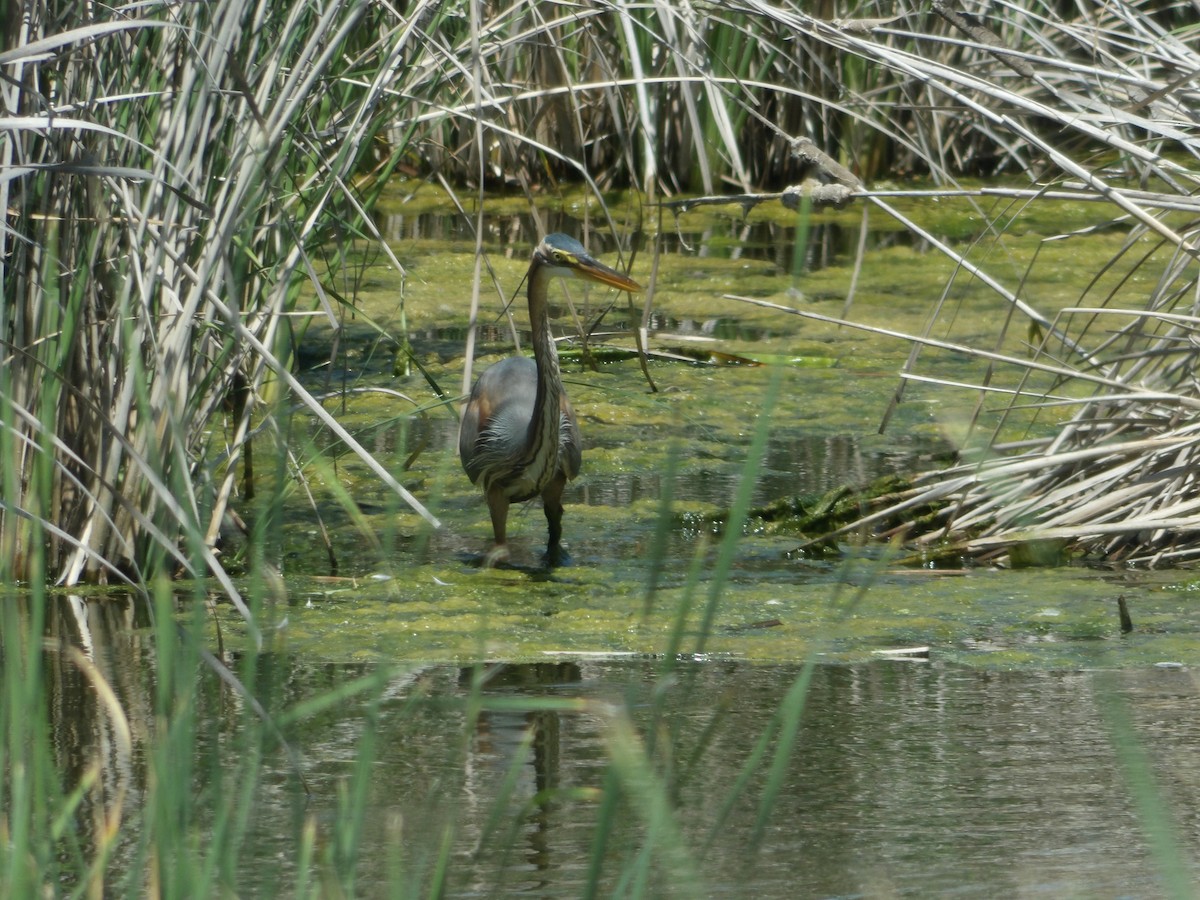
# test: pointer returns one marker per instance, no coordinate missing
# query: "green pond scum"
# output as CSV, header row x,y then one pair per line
x,y
635,520
1064,618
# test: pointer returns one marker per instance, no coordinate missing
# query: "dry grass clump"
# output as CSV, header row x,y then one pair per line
x,y
1094,103
1117,481
171,175
175,178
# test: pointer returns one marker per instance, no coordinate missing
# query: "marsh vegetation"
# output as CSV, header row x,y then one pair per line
x,y
205,202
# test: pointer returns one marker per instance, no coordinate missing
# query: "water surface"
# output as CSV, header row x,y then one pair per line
x,y
907,778
503,707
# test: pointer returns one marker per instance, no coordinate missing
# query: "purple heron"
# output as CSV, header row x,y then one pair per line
x,y
519,438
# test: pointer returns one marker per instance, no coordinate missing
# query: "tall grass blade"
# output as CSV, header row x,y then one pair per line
x,y
1158,823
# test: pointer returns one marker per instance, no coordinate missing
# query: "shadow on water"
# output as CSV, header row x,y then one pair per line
x,y
909,778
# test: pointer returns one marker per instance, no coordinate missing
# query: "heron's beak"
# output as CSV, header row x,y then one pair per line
x,y
594,270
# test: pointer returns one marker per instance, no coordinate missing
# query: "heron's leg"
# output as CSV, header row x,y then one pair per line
x,y
552,501
498,507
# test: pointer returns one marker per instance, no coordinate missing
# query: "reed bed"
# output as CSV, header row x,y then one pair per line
x,y
173,175
181,186
1106,119
182,183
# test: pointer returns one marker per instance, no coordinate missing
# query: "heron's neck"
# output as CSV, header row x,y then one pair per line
x,y
549,385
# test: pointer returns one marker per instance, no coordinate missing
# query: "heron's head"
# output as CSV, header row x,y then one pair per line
x,y
566,257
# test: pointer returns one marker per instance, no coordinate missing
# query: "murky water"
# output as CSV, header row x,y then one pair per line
x,y
999,766
907,778
835,391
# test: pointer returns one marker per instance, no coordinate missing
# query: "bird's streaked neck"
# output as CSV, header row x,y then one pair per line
x,y
544,350
542,440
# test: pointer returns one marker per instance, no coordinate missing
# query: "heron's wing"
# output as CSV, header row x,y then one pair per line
x,y
495,422
468,435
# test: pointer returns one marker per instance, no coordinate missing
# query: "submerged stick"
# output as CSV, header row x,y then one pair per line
x,y
1123,612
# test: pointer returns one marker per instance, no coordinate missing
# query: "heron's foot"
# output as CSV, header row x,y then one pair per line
x,y
496,558
556,555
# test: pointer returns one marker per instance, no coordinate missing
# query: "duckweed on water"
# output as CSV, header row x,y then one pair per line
x,y
431,604
1059,618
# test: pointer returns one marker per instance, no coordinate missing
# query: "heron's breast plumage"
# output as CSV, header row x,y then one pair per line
x,y
501,446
